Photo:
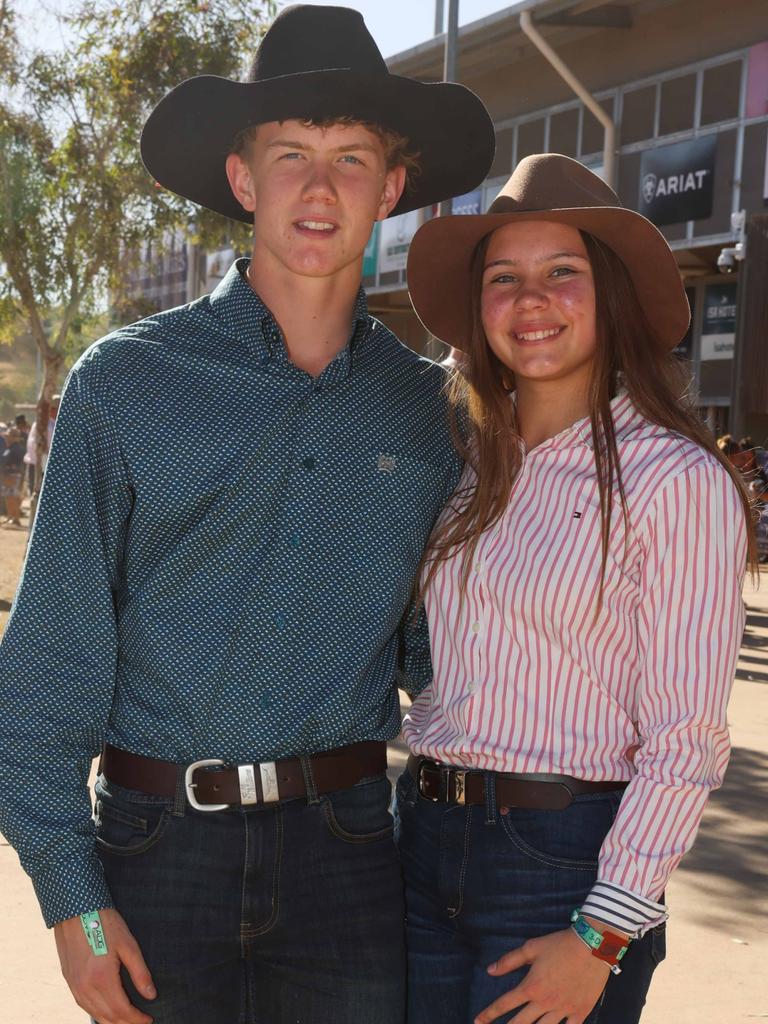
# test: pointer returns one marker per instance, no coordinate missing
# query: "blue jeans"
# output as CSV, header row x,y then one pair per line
x,y
480,881
286,914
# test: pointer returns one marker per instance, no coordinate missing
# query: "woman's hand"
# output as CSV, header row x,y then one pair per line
x,y
564,981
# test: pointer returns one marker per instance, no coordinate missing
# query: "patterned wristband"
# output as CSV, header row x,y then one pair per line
x,y
606,946
94,932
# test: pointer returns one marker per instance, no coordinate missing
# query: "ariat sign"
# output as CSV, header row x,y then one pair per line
x,y
677,182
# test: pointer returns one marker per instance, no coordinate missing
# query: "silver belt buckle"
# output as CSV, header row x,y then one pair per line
x,y
190,785
269,787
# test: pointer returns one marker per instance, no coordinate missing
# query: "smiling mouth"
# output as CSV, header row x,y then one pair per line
x,y
543,335
318,227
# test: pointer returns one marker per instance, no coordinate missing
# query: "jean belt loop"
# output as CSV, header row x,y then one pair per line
x,y
309,780
489,780
180,797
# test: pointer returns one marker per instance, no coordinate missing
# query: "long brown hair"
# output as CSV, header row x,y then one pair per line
x,y
655,379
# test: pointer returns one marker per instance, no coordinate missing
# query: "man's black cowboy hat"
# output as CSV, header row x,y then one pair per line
x,y
315,63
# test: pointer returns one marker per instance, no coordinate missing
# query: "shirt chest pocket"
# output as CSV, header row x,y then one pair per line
x,y
381,496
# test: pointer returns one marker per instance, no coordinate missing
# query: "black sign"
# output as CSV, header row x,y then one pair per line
x,y
677,182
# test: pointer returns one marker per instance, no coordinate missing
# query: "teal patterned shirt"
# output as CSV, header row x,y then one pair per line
x,y
221,565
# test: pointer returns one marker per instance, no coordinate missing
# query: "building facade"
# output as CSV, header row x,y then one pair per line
x,y
686,84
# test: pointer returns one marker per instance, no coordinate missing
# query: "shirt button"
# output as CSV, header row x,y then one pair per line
x,y
475,627
309,462
479,567
472,686
280,620
295,540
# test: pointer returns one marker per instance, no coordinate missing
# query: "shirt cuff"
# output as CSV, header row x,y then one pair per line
x,y
69,889
617,907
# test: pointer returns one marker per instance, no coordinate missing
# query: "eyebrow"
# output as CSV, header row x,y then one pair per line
x,y
543,259
290,144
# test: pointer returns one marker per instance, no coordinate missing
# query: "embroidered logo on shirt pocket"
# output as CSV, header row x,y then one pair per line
x,y
386,464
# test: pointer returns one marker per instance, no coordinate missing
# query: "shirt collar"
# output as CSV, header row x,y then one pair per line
x,y
626,419
241,310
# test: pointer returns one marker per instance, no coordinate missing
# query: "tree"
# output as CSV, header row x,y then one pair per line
x,y
75,202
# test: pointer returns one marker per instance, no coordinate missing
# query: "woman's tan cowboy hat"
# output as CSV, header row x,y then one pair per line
x,y
316,63
546,187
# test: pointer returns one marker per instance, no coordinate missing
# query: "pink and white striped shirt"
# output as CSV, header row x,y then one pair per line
x,y
527,679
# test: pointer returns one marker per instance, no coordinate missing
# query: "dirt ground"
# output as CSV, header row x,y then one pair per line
x,y
718,933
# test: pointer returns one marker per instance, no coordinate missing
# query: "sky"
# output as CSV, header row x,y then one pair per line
x,y
395,24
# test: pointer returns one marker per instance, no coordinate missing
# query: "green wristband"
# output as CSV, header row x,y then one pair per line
x,y
94,932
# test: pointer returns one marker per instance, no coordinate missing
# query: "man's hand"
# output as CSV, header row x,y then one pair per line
x,y
564,981
95,980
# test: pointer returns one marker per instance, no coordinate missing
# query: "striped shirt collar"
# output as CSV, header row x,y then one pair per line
x,y
626,420
248,318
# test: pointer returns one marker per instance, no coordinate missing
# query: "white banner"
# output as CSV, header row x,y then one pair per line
x,y
396,235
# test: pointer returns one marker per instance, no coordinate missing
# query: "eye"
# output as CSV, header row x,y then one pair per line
x,y
293,155
350,158
564,271
504,278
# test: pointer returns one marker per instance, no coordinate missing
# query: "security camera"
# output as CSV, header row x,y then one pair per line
x,y
726,263
729,257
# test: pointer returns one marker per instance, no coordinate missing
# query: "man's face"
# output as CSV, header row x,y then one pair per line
x,y
315,194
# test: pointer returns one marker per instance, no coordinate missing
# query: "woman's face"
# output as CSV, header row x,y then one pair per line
x,y
538,302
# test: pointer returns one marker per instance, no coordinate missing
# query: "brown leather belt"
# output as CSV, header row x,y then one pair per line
x,y
443,784
214,785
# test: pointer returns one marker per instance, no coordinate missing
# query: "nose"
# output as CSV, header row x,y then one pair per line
x,y
530,296
319,187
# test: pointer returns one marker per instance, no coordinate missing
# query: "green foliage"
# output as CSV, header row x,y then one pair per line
x,y
74,196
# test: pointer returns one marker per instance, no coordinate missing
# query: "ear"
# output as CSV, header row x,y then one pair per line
x,y
394,183
241,182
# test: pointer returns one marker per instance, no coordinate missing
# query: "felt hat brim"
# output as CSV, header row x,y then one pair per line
x,y
191,131
441,251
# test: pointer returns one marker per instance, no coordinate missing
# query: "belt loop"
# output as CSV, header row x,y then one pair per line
x,y
489,788
180,797
309,780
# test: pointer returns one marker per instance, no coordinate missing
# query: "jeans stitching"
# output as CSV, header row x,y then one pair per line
x,y
243,928
463,869
149,842
350,837
542,858
252,933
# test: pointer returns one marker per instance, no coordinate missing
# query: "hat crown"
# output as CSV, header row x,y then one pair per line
x,y
550,181
306,37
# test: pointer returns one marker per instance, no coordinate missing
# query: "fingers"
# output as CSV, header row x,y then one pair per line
x,y
513,960
103,997
133,961
509,1001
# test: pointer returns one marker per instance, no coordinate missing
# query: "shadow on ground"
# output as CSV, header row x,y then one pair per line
x,y
728,862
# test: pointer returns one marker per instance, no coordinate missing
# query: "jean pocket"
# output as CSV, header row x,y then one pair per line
x,y
126,826
360,814
570,838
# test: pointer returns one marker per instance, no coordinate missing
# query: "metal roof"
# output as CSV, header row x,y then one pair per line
x,y
490,42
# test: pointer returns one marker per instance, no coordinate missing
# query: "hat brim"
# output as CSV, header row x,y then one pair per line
x,y
189,134
440,261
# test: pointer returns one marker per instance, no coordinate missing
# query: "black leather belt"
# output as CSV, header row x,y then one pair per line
x,y
444,784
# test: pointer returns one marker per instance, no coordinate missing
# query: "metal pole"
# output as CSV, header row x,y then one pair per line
x,y
449,65
439,17
609,148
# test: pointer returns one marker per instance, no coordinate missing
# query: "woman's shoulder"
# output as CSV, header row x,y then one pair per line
x,y
656,458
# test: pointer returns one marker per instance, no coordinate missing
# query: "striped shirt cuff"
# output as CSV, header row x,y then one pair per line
x,y
617,907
